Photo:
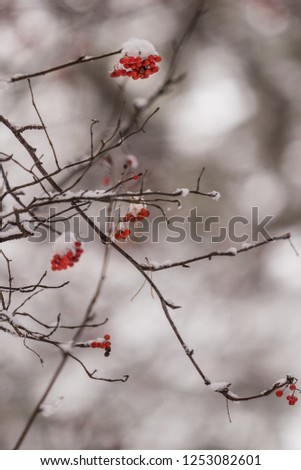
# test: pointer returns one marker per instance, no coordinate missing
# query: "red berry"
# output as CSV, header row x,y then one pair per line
x,y
106,180
157,58
101,345
107,337
129,217
292,387
94,344
135,177
279,393
144,212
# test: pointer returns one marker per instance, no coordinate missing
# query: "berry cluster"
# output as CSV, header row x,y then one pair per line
x,y
60,262
132,217
122,234
291,398
136,211
103,343
136,67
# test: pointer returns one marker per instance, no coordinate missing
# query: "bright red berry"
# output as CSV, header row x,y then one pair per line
x,y
279,393
292,387
144,212
292,400
107,337
106,180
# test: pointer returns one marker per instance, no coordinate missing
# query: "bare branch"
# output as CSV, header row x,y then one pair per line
x,y
81,60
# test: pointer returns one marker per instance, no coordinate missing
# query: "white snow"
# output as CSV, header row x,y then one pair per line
x,y
67,347
134,208
215,195
64,243
232,250
184,191
96,193
18,75
167,262
154,264
79,194
219,386
48,409
135,47
246,245
139,102
8,313
280,382
97,340
132,161
10,232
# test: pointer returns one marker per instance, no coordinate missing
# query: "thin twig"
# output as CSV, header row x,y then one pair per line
x,y
80,60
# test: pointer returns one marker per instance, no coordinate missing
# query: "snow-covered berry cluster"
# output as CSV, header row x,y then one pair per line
x,y
291,397
103,343
122,233
136,212
66,258
140,60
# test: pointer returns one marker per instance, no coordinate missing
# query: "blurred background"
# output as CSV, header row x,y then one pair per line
x,y
237,113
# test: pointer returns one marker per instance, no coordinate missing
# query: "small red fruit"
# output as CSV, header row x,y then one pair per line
x,y
279,393
107,337
106,180
292,387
